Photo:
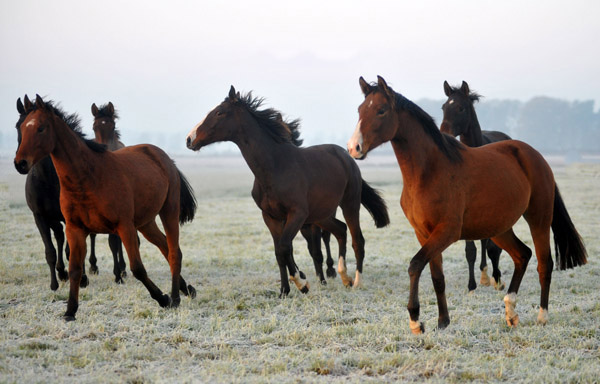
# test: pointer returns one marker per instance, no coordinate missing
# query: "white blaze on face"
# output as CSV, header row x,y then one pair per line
x,y
451,101
30,123
192,135
356,142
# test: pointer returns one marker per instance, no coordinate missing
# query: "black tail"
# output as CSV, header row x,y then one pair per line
x,y
187,200
569,248
375,204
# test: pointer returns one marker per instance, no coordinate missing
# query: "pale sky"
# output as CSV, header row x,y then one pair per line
x,y
165,64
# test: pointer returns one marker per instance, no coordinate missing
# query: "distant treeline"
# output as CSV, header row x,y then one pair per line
x,y
552,126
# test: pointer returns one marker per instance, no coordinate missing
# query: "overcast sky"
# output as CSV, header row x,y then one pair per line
x,y
165,64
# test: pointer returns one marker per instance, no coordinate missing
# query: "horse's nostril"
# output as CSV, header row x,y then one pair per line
x,y
357,148
189,142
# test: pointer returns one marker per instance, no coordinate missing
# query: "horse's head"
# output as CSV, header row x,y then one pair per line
x,y
377,121
104,123
218,125
35,133
458,109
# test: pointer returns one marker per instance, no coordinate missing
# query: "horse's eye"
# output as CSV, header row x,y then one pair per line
x,y
219,113
381,112
41,128
461,109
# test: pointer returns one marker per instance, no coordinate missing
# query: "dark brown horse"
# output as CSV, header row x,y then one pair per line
x,y
109,192
461,120
293,186
447,185
105,132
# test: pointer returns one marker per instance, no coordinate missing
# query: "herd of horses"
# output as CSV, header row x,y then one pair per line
x,y
475,188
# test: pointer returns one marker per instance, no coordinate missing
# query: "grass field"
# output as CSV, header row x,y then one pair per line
x,y
238,330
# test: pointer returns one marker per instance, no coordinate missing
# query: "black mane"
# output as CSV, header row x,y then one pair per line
x,y
447,144
280,130
74,122
104,111
473,96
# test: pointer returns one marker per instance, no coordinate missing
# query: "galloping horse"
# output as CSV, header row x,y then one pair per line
x,y
447,185
105,132
461,120
109,192
293,186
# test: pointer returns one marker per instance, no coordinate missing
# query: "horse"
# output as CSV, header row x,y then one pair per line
x,y
105,132
461,120
293,186
118,192
446,187
42,192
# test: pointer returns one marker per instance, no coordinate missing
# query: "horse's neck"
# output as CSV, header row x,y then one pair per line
x,y
415,151
72,158
114,144
259,150
473,137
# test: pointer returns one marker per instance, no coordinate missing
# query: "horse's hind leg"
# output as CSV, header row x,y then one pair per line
x,y
439,285
312,234
326,240
358,241
93,259
154,235
494,252
44,229
520,254
128,235
541,241
471,255
114,242
59,235
338,229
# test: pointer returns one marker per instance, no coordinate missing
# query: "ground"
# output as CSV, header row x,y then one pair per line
x,y
238,330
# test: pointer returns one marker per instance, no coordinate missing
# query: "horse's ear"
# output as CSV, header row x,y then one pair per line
x,y
388,91
28,104
364,86
94,110
20,107
39,102
447,88
111,109
232,95
465,88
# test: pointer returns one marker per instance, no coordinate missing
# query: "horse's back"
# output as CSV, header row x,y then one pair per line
x,y
494,136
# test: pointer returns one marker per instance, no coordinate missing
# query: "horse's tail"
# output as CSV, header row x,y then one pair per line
x,y
187,200
375,204
569,248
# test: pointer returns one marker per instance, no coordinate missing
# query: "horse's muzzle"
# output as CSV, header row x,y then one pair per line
x,y
22,166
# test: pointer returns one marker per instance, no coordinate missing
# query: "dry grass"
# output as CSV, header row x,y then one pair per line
x,y
237,330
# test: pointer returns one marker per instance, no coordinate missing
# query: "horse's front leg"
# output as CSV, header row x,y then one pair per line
x,y
432,247
76,238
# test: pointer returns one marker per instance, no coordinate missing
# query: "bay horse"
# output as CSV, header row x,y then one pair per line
x,y
109,192
105,132
293,186
447,185
461,120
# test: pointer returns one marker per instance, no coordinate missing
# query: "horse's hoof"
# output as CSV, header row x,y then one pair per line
x,y
123,274
119,280
283,293
485,279
175,302
417,328
323,282
306,288
68,318
62,274
165,301
443,324
513,322
331,272
84,281
499,286
94,269
191,291
54,285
